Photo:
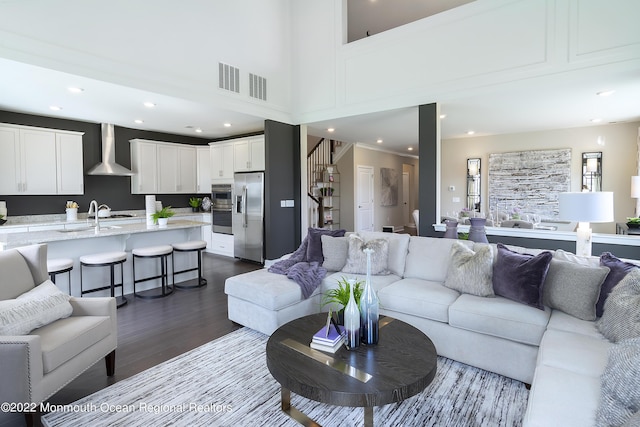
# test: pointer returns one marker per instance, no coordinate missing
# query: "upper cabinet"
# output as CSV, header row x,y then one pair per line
x,y
40,161
203,170
222,162
162,167
236,155
249,154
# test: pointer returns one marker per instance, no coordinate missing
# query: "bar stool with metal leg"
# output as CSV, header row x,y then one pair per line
x,y
58,266
106,259
192,246
162,253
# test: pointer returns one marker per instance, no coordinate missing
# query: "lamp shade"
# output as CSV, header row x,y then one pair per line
x,y
586,207
635,187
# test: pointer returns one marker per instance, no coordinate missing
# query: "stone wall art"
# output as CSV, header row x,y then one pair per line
x,y
528,182
389,187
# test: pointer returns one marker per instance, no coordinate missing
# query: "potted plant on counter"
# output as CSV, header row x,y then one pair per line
x,y
340,295
633,222
195,203
162,216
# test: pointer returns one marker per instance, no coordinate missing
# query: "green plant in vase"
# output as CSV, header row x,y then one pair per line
x,y
160,217
340,295
633,222
195,203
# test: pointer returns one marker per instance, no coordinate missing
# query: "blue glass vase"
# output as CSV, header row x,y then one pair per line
x,y
369,308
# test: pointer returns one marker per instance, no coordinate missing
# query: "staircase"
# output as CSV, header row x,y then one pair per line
x,y
323,179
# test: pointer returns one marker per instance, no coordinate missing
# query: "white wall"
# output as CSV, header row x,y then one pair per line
x,y
618,161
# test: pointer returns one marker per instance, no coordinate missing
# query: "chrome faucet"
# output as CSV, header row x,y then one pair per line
x,y
93,208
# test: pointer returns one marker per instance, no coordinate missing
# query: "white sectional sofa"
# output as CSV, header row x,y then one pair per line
x,y
560,355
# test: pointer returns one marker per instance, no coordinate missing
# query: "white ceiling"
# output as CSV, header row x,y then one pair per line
x,y
554,101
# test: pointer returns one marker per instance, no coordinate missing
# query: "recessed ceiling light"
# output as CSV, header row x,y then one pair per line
x,y
596,120
379,141
55,108
471,132
605,93
198,130
227,125
330,130
75,89
149,104
138,121
442,116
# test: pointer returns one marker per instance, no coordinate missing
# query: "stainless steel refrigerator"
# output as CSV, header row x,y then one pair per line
x,y
248,216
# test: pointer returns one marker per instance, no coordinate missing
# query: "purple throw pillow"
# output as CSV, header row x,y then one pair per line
x,y
520,277
617,270
314,247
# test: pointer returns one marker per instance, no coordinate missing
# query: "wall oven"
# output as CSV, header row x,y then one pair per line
x,y
221,207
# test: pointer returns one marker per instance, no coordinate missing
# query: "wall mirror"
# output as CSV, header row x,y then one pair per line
x,y
592,171
473,184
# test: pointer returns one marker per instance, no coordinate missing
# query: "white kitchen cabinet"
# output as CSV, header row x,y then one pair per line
x,y
40,161
203,170
162,167
249,154
221,244
145,166
221,162
69,164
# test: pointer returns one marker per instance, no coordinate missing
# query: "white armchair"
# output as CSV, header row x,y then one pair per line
x,y
36,365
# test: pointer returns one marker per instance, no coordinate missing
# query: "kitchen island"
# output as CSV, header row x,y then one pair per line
x,y
82,239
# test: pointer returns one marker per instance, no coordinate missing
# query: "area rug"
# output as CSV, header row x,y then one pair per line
x,y
226,383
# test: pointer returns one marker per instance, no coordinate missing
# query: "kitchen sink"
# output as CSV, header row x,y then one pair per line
x,y
83,229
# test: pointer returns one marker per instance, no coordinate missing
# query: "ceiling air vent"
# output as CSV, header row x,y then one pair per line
x,y
257,87
229,77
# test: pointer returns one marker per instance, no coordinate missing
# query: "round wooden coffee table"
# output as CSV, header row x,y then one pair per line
x,y
401,365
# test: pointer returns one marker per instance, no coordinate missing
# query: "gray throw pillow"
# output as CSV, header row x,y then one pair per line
x,y
357,259
621,317
470,272
573,288
620,390
335,251
314,246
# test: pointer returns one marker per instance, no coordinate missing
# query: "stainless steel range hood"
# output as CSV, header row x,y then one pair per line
x,y
108,166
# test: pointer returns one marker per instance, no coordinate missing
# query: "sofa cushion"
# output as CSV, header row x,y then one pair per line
x,y
620,394
357,258
421,298
428,258
519,276
16,276
621,317
561,321
65,339
314,245
269,290
619,270
573,288
377,282
582,354
398,246
562,398
38,307
561,255
334,252
470,272
499,317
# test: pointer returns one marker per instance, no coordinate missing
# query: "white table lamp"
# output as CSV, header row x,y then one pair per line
x,y
635,192
586,208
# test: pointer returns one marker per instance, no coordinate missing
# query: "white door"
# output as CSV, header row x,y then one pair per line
x,y
364,198
405,198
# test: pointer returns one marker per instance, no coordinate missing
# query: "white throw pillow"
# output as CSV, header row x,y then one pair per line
x,y
471,272
40,306
357,258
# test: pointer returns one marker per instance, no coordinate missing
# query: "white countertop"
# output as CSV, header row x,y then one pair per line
x,y
12,240
612,239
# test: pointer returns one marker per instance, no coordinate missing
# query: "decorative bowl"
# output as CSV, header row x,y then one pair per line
x,y
633,225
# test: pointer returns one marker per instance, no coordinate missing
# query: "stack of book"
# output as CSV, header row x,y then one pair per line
x,y
329,342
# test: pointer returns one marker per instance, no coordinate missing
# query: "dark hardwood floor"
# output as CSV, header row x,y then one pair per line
x,y
153,331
